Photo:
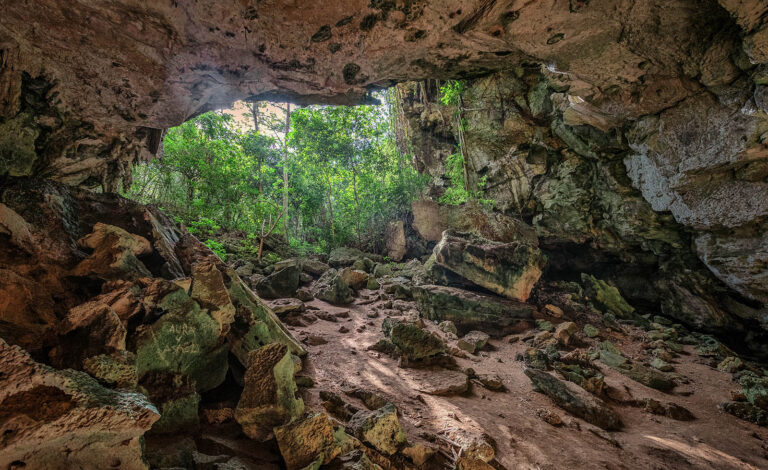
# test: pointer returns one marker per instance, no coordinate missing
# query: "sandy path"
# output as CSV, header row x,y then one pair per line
x,y
714,440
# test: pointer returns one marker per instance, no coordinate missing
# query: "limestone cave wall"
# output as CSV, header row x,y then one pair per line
x,y
670,205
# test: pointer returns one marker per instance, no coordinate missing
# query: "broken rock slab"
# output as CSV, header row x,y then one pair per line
x,y
43,410
332,288
307,441
379,428
575,400
472,310
441,382
269,396
509,269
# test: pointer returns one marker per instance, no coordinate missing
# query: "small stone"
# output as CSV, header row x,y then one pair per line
x,y
448,326
419,454
660,364
343,329
553,311
730,364
590,331
565,331
315,340
544,325
473,341
304,294
550,417
491,382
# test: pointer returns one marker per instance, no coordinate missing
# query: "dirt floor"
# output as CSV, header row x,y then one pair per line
x,y
523,440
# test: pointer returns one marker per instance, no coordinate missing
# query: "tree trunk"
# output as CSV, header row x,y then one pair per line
x,y
330,210
357,205
285,170
255,114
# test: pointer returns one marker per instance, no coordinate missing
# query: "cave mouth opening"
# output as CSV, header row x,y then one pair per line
x,y
267,172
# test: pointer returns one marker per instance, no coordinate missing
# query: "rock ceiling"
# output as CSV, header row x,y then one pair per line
x,y
102,79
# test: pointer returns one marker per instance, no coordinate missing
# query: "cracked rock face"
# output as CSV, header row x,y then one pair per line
x,y
86,88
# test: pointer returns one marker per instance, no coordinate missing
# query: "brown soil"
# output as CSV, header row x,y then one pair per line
x,y
714,440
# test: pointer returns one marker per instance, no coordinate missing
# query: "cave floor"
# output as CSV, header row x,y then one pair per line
x,y
714,440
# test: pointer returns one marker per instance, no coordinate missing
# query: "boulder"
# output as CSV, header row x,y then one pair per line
x,y
575,400
344,256
414,342
380,428
43,411
116,370
381,270
473,341
332,288
473,311
176,398
431,219
114,254
372,283
245,269
269,396
314,266
255,325
89,329
509,269
283,281
307,441
606,297
354,278
394,238
364,264
209,290
186,340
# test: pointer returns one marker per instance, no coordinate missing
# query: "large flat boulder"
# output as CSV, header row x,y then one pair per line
x,y
509,269
472,310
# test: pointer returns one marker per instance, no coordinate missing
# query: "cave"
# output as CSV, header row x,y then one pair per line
x,y
596,295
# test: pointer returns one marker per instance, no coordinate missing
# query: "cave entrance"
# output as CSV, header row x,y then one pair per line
x,y
261,176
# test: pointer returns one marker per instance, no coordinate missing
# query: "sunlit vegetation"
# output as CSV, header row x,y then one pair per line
x,y
319,176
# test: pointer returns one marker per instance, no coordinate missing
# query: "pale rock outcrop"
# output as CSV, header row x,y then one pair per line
x,y
508,269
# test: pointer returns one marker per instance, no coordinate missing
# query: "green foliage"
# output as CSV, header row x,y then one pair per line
x,y
216,247
345,177
450,93
456,192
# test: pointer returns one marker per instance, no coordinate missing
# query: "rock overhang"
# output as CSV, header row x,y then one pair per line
x,y
92,85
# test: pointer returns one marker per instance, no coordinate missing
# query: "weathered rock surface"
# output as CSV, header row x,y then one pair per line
x,y
307,441
283,282
649,201
269,397
332,53
575,400
43,411
471,310
508,269
332,288
395,240
414,342
379,428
